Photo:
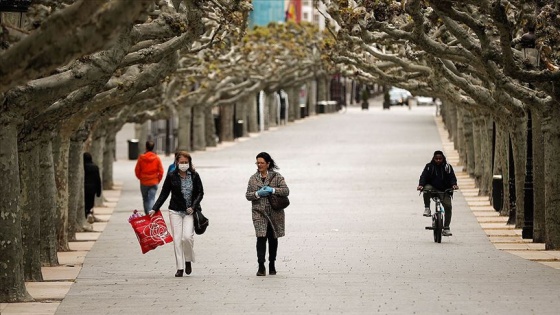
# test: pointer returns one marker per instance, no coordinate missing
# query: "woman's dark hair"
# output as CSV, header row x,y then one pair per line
x,y
266,157
87,158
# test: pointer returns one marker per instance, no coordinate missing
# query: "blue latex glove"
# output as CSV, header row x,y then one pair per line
x,y
268,189
262,192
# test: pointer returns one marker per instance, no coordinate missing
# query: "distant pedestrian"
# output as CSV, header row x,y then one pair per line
x,y
185,186
92,186
149,171
173,165
269,224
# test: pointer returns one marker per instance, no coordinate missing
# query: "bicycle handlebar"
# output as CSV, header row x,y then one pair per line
x,y
433,191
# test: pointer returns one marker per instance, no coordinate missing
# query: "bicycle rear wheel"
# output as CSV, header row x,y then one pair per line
x,y
438,226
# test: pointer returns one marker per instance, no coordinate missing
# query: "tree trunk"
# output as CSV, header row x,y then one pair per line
x,y
271,106
241,116
97,150
61,146
478,162
11,250
252,114
226,122
29,158
199,128
551,134
210,127
76,207
293,101
184,111
460,143
486,153
519,142
312,91
539,227
108,160
501,164
469,143
48,203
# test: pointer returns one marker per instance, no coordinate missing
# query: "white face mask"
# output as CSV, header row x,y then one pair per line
x,y
183,167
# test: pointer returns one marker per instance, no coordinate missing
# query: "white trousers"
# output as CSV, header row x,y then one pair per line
x,y
182,230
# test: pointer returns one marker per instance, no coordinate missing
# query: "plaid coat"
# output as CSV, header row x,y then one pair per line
x,y
262,212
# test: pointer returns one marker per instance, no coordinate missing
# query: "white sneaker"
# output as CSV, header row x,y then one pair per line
x,y
446,232
427,212
90,218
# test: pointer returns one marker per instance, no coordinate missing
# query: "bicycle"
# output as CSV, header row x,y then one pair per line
x,y
439,212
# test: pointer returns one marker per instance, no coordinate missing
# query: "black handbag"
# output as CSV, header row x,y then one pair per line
x,y
278,202
200,222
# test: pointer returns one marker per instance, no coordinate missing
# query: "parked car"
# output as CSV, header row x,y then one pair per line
x,y
425,100
398,96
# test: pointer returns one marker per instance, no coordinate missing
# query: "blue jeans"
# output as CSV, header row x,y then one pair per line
x,y
148,196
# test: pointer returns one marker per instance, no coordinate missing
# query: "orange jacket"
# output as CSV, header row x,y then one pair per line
x,y
149,169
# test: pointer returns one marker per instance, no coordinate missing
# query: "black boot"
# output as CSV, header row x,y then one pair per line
x,y
262,270
261,253
188,268
271,268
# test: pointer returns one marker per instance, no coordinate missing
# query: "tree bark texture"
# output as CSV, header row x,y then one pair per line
x,y
501,164
469,143
252,114
460,144
486,152
108,160
97,150
199,128
11,250
477,123
47,204
76,207
226,122
210,127
273,116
551,133
539,226
519,143
61,146
293,99
29,158
184,111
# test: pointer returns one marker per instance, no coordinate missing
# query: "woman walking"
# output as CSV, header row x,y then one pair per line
x,y
269,224
186,190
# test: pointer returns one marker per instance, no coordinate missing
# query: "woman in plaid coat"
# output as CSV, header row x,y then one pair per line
x,y
269,224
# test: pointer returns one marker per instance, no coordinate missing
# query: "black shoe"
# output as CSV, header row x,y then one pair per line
x,y
262,270
271,269
179,273
188,268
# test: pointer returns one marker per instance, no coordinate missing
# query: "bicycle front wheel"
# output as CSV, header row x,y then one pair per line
x,y
438,226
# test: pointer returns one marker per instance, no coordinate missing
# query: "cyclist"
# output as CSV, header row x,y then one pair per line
x,y
438,175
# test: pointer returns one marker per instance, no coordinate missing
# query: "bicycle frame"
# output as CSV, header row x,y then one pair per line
x,y
439,212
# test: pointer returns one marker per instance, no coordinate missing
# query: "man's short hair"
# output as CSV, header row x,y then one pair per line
x,y
149,145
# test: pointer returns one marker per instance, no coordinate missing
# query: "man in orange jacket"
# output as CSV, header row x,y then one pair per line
x,y
149,171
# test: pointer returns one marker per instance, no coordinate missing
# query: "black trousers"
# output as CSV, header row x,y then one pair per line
x,y
272,246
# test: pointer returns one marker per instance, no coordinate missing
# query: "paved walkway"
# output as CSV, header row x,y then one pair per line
x,y
355,235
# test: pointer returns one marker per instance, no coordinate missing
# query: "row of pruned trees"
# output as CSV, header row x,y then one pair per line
x,y
501,105
78,70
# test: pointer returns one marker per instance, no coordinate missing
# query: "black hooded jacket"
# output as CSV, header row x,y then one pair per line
x,y
441,177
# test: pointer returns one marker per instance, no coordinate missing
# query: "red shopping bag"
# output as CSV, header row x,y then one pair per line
x,y
151,231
